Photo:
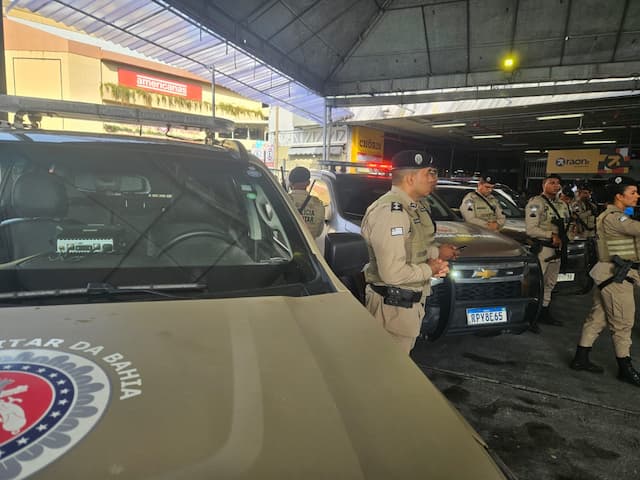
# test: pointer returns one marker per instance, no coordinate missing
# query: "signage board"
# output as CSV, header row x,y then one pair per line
x,y
586,161
151,83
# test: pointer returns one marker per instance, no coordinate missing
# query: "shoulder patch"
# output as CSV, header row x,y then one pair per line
x,y
396,207
395,231
623,218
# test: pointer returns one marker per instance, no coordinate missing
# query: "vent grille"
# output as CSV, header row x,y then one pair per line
x,y
487,291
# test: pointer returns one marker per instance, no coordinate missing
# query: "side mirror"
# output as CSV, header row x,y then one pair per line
x,y
346,253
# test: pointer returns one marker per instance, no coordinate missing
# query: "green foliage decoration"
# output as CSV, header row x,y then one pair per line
x,y
131,96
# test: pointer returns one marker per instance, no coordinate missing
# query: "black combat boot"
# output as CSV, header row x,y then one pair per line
x,y
545,317
626,372
534,327
581,361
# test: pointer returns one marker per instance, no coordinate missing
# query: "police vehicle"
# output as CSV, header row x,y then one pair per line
x,y
495,284
165,315
573,278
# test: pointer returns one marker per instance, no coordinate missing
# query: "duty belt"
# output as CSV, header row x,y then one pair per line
x,y
396,296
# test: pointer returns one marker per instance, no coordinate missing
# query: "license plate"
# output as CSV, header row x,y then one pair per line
x,y
566,277
483,316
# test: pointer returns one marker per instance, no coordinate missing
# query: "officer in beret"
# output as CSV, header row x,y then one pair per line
x,y
546,220
402,257
481,207
618,244
584,210
309,206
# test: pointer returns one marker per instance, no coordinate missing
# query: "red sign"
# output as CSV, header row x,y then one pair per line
x,y
158,85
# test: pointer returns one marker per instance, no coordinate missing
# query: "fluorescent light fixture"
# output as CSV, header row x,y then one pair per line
x,y
580,132
596,142
532,151
478,137
558,117
447,125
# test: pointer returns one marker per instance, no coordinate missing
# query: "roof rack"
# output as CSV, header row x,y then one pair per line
x,y
36,108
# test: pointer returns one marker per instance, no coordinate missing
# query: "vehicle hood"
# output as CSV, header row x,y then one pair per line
x,y
249,388
480,242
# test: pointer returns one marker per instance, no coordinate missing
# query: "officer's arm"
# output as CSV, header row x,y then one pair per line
x,y
468,212
533,214
387,231
500,216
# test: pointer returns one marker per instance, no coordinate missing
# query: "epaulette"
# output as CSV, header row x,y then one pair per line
x,y
396,207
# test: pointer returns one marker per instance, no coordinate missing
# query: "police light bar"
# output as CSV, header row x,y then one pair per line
x,y
379,167
36,108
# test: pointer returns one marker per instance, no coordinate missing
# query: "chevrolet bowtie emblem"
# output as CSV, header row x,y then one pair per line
x,y
484,273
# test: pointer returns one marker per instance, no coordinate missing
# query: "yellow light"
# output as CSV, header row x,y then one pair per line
x,y
508,62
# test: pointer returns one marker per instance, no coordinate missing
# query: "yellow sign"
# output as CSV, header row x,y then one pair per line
x,y
367,144
588,161
574,161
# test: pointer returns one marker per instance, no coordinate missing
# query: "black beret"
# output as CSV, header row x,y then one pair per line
x,y
617,185
488,178
299,175
411,159
568,191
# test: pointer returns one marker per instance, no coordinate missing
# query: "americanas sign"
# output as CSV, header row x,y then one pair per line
x,y
151,83
588,161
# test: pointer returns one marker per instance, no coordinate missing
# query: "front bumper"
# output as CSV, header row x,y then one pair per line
x,y
516,288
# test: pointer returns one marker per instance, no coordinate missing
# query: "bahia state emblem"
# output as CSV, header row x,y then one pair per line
x,y
48,402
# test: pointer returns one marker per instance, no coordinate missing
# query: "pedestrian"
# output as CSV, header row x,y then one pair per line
x,y
585,211
309,206
401,258
546,219
481,207
618,244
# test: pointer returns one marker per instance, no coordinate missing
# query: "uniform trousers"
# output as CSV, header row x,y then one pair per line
x,y
402,323
550,272
613,305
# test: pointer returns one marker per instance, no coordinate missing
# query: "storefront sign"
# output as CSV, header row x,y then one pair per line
x,y
588,161
367,144
164,86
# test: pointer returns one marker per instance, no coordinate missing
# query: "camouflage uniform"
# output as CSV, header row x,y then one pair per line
x,y
474,209
313,212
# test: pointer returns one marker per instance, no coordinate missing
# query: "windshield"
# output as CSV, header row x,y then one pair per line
x,y
453,197
356,192
146,214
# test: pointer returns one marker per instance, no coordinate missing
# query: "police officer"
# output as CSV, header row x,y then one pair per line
x,y
543,213
309,206
401,259
613,300
481,207
585,212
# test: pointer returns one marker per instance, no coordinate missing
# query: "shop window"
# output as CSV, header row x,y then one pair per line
x,y
240,133
256,134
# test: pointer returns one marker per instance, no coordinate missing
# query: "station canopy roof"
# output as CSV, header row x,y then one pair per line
x,y
364,54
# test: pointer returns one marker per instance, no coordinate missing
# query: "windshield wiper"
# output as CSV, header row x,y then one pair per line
x,y
106,289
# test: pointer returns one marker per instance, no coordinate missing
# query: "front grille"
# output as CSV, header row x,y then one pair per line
x,y
487,291
439,295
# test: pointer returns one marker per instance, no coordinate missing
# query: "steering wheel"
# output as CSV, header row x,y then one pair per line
x,y
189,235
